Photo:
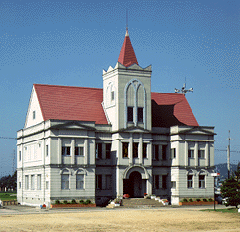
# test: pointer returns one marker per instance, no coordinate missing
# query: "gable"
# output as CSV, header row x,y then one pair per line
x,y
34,113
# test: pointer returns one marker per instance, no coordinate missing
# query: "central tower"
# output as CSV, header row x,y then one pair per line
x,y
127,91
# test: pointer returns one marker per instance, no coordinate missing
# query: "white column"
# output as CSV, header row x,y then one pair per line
x,y
86,152
207,154
149,152
72,151
196,153
140,150
186,154
59,154
130,149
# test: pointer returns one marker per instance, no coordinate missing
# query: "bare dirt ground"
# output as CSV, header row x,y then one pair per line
x,y
123,220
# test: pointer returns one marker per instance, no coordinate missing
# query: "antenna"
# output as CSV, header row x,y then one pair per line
x,y
184,90
127,23
13,164
228,155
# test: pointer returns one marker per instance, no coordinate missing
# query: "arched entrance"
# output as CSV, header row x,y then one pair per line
x,y
135,186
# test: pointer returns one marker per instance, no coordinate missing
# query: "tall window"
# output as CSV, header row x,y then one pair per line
x,y
164,181
108,182
173,184
20,155
155,152
26,182
65,181
79,151
135,150
140,114
98,181
99,150
66,150
112,95
32,182
156,181
124,150
164,152
201,181
190,181
173,153
108,150
201,154
130,114
34,114
191,153
79,181
39,181
46,150
144,150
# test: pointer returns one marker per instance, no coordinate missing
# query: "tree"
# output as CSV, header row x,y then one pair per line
x,y
9,182
231,189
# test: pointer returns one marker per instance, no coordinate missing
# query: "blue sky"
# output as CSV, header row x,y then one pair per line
x,y
71,42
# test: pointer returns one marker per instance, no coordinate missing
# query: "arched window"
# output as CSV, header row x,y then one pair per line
x,y
190,175
80,178
65,174
202,179
110,95
135,103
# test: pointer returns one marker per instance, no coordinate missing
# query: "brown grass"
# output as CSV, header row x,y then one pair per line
x,y
123,220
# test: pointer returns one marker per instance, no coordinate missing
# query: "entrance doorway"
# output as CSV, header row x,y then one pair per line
x,y
135,186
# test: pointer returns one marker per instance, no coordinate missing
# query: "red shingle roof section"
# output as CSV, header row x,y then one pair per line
x,y
170,109
84,104
127,55
71,103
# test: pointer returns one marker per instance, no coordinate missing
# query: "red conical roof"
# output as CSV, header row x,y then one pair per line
x,y
127,55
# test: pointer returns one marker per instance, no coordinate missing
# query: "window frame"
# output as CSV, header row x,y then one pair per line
x,y
190,181
173,153
26,182
140,114
164,152
202,182
191,153
32,182
135,150
130,117
66,150
80,182
65,183
201,154
108,150
156,152
125,155
79,151
39,182
173,184
99,181
144,150
99,150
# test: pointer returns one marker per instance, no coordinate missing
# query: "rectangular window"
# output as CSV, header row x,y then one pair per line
x,y
47,185
190,181
108,182
79,181
32,182
46,150
156,181
191,153
79,151
173,184
108,150
19,185
66,150
130,114
144,150
140,114
65,181
173,153
26,182
201,181
164,181
155,152
164,152
34,114
99,151
39,181
135,150
124,150
201,154
98,181
20,155
112,95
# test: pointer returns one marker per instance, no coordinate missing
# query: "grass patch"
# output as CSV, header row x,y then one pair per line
x,y
230,210
7,196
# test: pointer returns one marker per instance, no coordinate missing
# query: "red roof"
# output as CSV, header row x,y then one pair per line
x,y
71,103
170,109
84,104
127,55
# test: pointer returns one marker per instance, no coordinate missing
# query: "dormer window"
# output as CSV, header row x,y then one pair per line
x,y
34,114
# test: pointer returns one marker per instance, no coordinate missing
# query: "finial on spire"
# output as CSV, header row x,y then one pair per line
x,y
127,24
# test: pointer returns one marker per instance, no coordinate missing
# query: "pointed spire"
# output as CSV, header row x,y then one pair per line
x,y
127,55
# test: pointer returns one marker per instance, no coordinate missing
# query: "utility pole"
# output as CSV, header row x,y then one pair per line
x,y
228,155
13,164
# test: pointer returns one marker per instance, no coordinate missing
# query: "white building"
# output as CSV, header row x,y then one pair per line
x,y
89,143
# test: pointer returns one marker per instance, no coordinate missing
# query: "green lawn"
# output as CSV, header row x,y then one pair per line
x,y
5,196
227,210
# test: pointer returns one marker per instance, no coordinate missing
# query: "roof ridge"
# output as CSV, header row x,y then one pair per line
x,y
67,86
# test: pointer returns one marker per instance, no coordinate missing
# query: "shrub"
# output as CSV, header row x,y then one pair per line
x,y
88,202
190,200
73,201
65,202
204,199
57,202
198,199
185,200
210,199
81,201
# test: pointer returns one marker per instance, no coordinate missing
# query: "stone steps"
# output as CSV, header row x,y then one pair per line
x,y
140,203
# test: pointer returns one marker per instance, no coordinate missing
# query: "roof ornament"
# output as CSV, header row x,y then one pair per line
x,y
127,24
184,90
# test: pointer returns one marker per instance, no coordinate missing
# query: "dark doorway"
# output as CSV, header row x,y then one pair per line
x,y
135,186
